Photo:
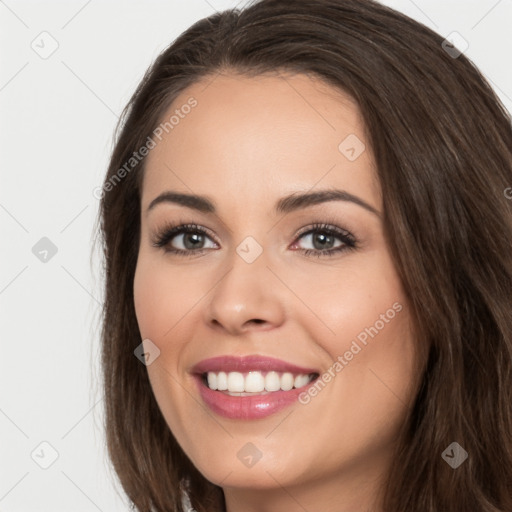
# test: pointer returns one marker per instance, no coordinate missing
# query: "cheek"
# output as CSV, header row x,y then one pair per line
x,y
162,300
361,315
147,296
346,303
162,297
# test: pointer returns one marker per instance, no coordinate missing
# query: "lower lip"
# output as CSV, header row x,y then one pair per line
x,y
248,407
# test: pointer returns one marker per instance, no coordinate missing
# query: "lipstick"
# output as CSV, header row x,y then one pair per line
x,y
250,387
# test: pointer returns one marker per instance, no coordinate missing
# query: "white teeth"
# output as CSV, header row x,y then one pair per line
x,y
301,380
272,381
212,380
235,382
287,381
256,382
222,381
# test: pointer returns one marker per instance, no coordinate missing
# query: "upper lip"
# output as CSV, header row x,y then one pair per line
x,y
249,363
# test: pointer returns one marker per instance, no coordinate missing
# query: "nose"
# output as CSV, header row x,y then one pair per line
x,y
247,297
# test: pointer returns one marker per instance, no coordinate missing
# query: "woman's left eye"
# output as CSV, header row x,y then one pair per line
x,y
323,239
192,238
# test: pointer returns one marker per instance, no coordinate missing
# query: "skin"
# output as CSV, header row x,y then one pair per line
x,y
247,143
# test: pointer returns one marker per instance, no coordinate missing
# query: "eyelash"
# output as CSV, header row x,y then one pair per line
x,y
170,231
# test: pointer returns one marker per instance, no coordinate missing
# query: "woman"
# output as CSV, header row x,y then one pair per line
x,y
308,277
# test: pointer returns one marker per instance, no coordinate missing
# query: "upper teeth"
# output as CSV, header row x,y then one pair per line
x,y
255,382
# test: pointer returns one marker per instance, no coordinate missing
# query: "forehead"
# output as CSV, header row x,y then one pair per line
x,y
254,139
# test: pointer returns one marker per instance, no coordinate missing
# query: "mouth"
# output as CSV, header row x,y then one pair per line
x,y
250,387
255,382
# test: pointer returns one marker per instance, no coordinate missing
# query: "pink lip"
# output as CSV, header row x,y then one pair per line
x,y
247,407
248,363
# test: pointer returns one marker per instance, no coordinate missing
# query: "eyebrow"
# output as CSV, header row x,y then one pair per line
x,y
286,204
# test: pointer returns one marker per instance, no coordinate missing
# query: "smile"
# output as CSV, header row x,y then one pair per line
x,y
240,384
250,387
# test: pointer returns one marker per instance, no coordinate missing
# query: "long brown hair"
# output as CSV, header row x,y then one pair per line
x,y
442,142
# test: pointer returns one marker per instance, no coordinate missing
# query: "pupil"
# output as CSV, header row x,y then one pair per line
x,y
325,240
196,237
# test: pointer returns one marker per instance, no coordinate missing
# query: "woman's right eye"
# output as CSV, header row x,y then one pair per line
x,y
191,237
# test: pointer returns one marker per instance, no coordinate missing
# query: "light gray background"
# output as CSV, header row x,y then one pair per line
x,y
57,120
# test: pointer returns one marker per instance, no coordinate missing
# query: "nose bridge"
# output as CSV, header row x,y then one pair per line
x,y
250,250
248,275
246,292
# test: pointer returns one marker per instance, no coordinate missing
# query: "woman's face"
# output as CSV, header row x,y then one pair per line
x,y
285,285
